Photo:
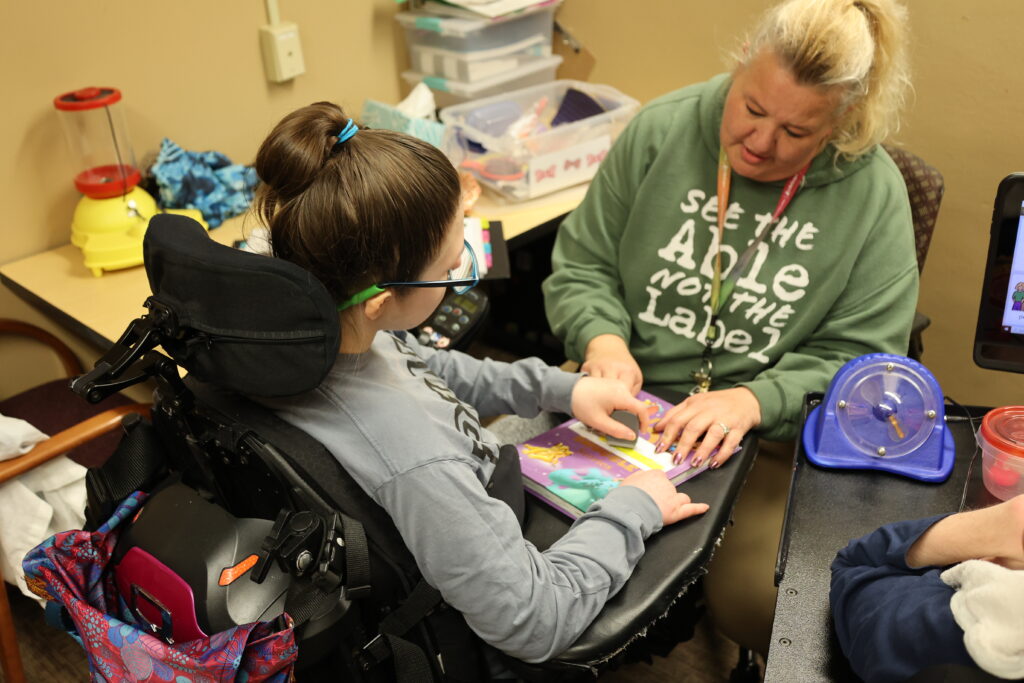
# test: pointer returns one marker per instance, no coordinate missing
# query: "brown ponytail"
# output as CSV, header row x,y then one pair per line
x,y
373,208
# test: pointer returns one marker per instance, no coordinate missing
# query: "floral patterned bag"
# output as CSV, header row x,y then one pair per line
x,y
69,569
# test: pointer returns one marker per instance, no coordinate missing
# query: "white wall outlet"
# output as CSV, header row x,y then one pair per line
x,y
282,52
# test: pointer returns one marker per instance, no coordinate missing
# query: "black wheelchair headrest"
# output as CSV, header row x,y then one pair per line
x,y
249,323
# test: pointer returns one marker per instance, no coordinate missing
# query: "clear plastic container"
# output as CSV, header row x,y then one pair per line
x,y
509,143
449,92
478,65
1001,438
466,35
94,125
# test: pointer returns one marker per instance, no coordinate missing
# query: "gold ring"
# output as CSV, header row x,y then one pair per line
x,y
725,428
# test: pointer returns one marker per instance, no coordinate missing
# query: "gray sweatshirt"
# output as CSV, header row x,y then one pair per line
x,y
403,421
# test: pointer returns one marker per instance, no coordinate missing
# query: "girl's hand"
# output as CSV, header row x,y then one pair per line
x,y
608,356
721,417
674,505
594,399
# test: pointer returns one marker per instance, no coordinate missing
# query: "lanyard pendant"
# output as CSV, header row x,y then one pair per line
x,y
702,381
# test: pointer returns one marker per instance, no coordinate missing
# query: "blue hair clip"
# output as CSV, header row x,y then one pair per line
x,y
347,132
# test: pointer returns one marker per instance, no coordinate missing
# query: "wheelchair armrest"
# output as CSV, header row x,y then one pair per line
x,y
64,441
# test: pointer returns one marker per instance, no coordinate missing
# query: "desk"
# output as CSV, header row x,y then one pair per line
x,y
827,509
99,308
674,558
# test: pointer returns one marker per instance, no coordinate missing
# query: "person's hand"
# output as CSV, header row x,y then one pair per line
x,y
674,505
594,399
722,418
608,356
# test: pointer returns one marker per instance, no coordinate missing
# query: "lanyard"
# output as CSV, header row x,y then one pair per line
x,y
721,291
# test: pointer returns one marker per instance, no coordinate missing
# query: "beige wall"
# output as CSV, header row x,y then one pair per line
x,y
191,70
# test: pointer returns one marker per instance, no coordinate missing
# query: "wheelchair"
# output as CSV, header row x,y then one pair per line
x,y
248,517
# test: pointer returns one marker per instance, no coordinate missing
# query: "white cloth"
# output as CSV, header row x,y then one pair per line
x,y
36,505
17,437
989,606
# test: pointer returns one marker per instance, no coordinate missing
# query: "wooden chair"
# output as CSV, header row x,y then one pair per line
x,y
85,432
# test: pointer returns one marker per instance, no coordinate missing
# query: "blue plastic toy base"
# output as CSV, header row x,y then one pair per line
x,y
931,462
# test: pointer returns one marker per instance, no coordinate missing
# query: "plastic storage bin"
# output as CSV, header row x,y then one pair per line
x,y
539,158
1002,454
449,92
469,35
477,65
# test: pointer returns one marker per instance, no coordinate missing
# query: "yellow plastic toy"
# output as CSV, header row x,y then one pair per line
x,y
110,231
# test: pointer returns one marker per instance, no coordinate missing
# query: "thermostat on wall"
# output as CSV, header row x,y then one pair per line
x,y
282,53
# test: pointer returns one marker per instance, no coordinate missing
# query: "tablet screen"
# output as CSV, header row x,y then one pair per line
x,y
1013,315
999,338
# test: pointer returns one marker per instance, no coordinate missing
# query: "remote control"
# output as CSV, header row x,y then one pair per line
x,y
452,324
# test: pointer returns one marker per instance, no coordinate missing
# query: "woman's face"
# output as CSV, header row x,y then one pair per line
x,y
772,126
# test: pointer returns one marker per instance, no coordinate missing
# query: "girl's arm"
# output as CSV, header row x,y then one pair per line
x,y
995,532
892,620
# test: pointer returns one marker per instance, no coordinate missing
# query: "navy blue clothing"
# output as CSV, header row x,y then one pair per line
x,y
892,620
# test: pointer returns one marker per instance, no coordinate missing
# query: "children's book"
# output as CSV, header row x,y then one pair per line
x,y
571,466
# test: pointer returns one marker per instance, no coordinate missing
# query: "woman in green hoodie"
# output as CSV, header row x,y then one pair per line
x,y
745,237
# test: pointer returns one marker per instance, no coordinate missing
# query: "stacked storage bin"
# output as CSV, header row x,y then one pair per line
x,y
463,59
536,140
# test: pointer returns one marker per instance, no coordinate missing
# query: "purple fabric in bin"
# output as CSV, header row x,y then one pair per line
x,y
70,569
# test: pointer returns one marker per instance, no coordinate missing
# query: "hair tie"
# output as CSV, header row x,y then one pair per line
x,y
347,132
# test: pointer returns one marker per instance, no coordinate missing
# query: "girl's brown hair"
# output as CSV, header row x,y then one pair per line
x,y
371,209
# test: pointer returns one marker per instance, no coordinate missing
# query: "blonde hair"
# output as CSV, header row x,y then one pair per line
x,y
857,46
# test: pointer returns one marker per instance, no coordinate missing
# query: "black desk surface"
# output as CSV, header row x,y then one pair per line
x,y
674,558
827,509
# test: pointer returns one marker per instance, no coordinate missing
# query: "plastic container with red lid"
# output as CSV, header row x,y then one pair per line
x,y
1001,439
97,135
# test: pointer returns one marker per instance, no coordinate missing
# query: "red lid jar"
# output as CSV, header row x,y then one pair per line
x,y
1001,438
1003,430
94,126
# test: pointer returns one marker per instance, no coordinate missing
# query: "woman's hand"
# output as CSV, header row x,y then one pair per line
x,y
674,505
721,417
594,399
608,355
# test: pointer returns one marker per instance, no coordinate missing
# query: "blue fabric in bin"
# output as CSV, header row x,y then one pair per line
x,y
207,181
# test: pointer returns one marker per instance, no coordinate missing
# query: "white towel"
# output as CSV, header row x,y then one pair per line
x,y
36,505
989,606
17,437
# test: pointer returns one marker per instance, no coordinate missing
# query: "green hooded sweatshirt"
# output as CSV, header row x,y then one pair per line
x,y
836,279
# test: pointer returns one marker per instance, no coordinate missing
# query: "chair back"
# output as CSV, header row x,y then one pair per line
x,y
925,188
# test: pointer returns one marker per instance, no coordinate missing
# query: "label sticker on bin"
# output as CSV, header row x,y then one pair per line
x,y
566,167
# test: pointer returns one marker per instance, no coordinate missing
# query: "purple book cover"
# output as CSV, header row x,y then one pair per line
x,y
571,466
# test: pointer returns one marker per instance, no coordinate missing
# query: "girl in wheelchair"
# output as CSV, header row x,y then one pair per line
x,y
375,215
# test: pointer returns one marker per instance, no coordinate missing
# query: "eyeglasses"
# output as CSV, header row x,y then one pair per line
x,y
461,280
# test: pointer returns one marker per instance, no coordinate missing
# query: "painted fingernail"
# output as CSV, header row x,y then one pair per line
x,y
715,464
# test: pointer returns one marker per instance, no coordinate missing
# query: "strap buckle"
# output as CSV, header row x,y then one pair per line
x,y
376,651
